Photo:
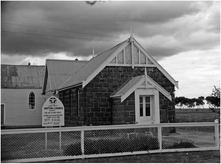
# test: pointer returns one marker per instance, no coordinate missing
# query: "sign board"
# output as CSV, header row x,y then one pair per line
x,y
53,112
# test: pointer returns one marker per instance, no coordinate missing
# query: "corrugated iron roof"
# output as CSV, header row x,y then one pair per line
x,y
91,66
22,76
64,67
59,71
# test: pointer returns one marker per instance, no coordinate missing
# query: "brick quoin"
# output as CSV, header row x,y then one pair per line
x,y
97,108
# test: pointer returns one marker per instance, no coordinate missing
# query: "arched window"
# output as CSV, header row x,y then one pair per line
x,y
31,100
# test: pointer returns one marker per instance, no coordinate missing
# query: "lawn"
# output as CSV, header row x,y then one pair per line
x,y
184,157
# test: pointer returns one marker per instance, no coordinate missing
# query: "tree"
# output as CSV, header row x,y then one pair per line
x,y
199,101
201,98
180,101
191,102
214,99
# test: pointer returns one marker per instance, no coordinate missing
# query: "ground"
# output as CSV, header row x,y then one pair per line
x,y
184,157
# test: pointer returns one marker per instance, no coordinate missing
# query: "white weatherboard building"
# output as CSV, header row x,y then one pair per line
x,y
21,90
21,98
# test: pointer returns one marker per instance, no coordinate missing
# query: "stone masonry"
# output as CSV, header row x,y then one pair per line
x,y
92,105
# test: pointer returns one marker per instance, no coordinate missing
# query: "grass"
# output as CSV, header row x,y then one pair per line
x,y
183,157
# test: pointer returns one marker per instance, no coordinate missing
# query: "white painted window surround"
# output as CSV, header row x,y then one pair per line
x,y
154,117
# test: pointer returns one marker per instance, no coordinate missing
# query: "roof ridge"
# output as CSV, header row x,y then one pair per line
x,y
67,60
23,65
110,48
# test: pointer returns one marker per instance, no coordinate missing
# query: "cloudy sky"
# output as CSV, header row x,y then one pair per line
x,y
184,37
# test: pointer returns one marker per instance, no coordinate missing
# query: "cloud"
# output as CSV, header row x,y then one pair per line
x,y
78,28
199,31
196,71
35,60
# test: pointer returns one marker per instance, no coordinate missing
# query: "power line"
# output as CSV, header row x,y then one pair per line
x,y
44,28
44,35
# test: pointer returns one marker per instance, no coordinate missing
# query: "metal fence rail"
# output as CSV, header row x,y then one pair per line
x,y
31,145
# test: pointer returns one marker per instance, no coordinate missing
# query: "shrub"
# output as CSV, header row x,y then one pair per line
x,y
73,149
103,146
182,145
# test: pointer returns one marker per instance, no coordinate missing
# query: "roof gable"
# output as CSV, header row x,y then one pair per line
x,y
59,71
94,66
127,53
139,82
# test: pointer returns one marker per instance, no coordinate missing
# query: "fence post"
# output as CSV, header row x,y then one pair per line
x,y
160,137
82,142
217,134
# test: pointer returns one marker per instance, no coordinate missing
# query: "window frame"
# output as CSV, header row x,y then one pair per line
x,y
143,102
31,101
154,101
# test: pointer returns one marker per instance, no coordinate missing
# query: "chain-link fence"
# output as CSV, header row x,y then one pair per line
x,y
48,143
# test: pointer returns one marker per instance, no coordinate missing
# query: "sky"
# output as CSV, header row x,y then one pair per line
x,y
183,36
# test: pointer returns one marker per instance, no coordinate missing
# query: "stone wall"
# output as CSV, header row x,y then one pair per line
x,y
97,108
74,115
124,113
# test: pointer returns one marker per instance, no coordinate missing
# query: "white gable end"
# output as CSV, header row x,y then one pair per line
x,y
131,56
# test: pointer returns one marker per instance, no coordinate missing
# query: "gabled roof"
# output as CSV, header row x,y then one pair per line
x,y
126,89
22,76
95,65
59,71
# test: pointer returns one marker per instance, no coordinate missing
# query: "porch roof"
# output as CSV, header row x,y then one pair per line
x,y
130,86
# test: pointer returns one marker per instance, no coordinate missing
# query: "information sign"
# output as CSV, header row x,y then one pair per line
x,y
53,112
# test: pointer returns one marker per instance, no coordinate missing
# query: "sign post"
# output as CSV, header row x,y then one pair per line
x,y
52,115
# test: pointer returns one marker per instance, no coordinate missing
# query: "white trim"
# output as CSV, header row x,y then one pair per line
x,y
105,63
158,87
138,55
217,139
117,95
124,56
49,81
105,127
157,64
153,85
132,54
146,59
135,65
131,90
156,114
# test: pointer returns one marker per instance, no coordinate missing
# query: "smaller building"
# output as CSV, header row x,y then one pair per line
x,y
123,85
21,98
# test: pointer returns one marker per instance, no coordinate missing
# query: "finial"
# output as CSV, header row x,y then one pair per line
x,y
131,30
131,33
